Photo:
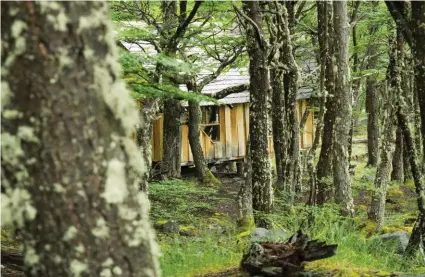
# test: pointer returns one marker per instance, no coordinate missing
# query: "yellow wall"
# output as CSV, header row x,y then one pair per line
x,y
233,135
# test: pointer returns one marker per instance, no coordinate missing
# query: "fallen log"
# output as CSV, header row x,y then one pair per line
x,y
275,259
12,258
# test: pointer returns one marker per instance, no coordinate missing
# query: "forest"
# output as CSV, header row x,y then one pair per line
x,y
209,138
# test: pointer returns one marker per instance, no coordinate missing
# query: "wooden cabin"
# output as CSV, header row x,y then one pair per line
x,y
224,130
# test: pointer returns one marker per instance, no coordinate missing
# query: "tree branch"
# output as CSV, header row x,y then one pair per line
x,y
398,12
224,92
183,26
260,40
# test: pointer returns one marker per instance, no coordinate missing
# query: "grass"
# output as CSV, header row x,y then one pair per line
x,y
192,256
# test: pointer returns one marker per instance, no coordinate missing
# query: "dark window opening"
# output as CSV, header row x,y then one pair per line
x,y
211,122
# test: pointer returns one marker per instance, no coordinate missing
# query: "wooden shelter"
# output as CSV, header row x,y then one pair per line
x,y
224,129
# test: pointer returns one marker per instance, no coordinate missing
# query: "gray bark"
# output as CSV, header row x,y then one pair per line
x,y
372,109
70,170
324,165
377,207
343,115
262,192
397,174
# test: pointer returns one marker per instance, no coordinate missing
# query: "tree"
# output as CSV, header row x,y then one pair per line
x,y
324,165
377,207
342,179
70,170
412,23
262,192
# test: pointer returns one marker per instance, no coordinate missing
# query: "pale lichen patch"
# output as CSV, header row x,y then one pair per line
x,y
77,267
31,257
106,272
101,230
11,150
26,133
16,207
117,270
70,233
116,186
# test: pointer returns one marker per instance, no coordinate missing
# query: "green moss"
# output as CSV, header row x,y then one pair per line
x,y
188,230
210,179
391,229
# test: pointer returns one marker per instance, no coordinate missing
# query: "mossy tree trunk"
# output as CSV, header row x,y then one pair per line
x,y
324,165
202,170
377,207
278,125
343,115
70,169
290,87
262,192
413,27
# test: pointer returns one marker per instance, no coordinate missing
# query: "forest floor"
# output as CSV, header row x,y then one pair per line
x,y
208,243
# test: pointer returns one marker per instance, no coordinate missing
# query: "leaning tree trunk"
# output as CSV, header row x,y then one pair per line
x,y
324,165
262,192
372,110
202,170
70,169
343,99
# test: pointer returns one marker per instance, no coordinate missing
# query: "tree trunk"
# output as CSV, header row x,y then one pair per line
x,y
343,115
202,170
278,125
262,192
171,157
70,170
144,136
290,87
324,165
418,47
397,173
377,207
246,214
372,110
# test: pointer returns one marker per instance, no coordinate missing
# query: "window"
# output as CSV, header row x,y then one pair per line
x,y
211,122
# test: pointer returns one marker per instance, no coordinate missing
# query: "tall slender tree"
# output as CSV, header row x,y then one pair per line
x,y
70,170
324,165
343,99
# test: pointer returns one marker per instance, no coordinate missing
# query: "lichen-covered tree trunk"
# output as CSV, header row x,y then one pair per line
x,y
343,99
418,47
397,174
372,110
324,165
377,207
290,87
262,192
322,30
70,169
278,125
245,209
171,157
148,113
